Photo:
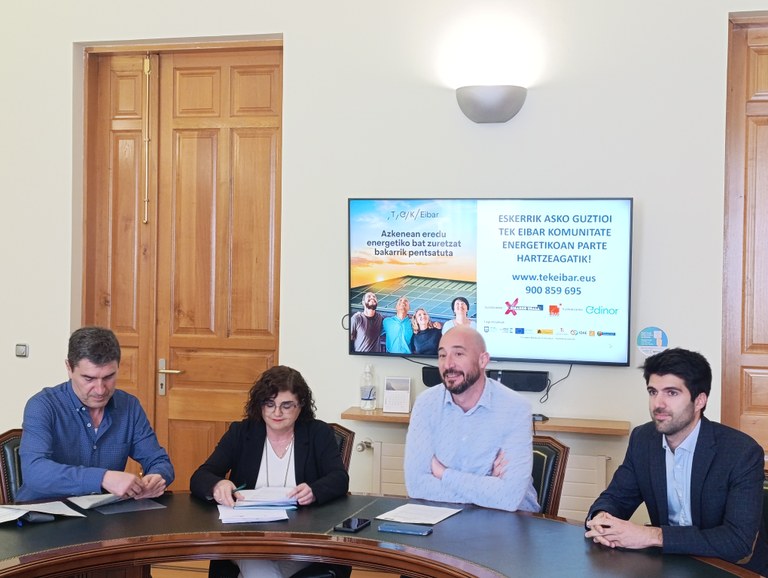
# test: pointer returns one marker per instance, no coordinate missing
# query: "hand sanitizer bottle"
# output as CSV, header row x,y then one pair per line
x,y
367,389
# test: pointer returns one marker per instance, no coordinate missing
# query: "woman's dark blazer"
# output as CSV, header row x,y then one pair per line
x,y
316,457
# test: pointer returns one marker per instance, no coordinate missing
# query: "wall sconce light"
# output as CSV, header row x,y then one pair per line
x,y
496,103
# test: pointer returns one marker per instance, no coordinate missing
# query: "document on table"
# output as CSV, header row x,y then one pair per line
x,y
242,515
53,508
266,497
123,506
10,514
418,514
94,500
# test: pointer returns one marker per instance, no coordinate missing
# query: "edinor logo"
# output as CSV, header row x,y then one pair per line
x,y
600,310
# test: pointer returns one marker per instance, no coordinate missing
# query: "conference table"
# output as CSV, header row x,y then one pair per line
x,y
476,542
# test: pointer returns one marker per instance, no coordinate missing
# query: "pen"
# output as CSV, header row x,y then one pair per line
x,y
238,488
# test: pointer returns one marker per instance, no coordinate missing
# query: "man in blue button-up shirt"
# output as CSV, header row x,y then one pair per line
x,y
469,438
77,436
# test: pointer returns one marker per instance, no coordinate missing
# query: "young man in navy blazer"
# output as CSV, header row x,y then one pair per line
x,y
701,481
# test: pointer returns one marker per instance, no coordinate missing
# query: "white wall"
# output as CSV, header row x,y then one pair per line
x,y
630,102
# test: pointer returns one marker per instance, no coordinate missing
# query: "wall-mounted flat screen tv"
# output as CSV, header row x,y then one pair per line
x,y
543,279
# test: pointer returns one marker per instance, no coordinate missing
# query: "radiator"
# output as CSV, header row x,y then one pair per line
x,y
388,475
585,478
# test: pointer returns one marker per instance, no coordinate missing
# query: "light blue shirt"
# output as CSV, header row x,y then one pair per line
x,y
398,333
679,465
467,443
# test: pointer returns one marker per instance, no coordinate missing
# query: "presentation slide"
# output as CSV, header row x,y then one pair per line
x,y
555,273
547,279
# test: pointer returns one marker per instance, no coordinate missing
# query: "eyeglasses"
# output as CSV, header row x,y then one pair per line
x,y
284,406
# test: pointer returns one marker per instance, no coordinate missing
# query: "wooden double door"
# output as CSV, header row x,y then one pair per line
x,y
182,230
745,275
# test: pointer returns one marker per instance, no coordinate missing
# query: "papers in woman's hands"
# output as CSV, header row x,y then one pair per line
x,y
418,514
94,500
266,497
260,505
242,515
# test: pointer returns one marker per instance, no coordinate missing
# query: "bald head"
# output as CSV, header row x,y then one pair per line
x,y
464,335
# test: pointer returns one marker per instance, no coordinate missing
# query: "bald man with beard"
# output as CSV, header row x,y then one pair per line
x,y
470,438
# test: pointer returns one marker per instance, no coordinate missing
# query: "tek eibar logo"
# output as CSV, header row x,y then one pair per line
x,y
513,307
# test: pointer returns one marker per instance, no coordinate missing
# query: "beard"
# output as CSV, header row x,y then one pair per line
x,y
372,306
674,422
458,387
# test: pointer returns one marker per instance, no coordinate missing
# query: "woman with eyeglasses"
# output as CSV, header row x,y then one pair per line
x,y
278,444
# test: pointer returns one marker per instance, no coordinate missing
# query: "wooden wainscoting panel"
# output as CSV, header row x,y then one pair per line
x,y
192,442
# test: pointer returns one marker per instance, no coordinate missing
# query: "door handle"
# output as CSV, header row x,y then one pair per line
x,y
162,372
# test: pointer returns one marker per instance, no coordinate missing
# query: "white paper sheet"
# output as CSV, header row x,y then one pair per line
x,y
418,514
10,514
94,500
55,508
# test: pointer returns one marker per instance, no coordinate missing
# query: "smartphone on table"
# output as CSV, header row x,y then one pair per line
x,y
400,528
352,525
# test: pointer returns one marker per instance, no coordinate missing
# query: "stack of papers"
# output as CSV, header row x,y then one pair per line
x,y
259,505
242,515
266,498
